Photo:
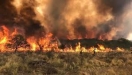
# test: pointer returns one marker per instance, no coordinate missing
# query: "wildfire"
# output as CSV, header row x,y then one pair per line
x,y
119,49
14,41
32,43
3,40
78,47
101,47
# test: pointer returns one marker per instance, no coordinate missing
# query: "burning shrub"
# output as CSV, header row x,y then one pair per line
x,y
18,41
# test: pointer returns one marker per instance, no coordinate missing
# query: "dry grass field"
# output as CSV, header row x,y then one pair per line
x,y
51,63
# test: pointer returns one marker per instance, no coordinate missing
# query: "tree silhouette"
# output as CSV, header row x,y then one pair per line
x,y
40,46
18,41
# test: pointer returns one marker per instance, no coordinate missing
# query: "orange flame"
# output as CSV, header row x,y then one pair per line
x,y
101,47
45,43
32,43
119,49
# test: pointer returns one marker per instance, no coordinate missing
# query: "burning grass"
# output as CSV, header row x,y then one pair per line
x,y
60,63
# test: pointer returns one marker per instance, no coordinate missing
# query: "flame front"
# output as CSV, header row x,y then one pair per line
x,y
44,43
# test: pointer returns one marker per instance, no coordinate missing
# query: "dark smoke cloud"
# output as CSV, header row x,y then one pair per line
x,y
64,18
7,12
102,6
80,29
118,9
116,5
10,18
30,25
56,8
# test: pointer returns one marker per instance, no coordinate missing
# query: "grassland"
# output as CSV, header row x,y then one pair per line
x,y
51,63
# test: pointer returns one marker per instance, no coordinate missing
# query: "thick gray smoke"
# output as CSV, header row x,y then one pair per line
x,y
103,19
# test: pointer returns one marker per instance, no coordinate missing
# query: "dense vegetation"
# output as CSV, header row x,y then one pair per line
x,y
51,63
113,44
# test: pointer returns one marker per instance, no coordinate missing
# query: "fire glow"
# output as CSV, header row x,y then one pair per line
x,y
10,41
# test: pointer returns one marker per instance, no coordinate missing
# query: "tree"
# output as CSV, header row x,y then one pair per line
x,y
40,46
18,41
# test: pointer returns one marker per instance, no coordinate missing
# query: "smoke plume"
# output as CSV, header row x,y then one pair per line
x,y
102,19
